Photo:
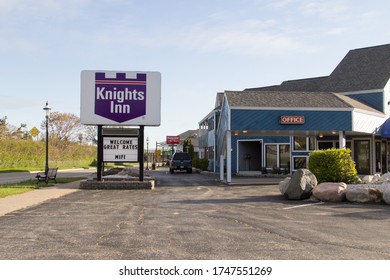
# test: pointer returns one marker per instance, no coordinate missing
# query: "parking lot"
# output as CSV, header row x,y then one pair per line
x,y
193,216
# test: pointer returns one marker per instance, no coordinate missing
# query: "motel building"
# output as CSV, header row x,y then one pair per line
x,y
275,128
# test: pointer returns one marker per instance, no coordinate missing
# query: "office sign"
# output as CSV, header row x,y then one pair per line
x,y
120,149
292,119
173,140
120,98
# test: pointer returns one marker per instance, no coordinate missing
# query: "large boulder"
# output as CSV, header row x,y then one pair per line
x,y
386,195
330,192
364,195
299,186
284,184
386,176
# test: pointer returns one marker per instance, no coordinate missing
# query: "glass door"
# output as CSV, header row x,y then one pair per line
x,y
362,156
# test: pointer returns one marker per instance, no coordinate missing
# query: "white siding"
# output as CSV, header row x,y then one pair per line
x,y
363,122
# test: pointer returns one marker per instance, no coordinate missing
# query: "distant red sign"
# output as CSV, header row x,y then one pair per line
x,y
173,140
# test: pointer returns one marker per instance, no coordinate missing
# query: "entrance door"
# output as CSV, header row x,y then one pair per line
x,y
249,156
384,159
362,156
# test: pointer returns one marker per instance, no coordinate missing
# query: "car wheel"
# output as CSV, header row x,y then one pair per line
x,y
171,170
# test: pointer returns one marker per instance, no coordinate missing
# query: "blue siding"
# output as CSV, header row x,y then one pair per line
x,y
270,120
375,99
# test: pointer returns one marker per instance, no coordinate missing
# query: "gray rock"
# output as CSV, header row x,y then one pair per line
x,y
299,186
364,195
386,176
386,196
330,192
284,184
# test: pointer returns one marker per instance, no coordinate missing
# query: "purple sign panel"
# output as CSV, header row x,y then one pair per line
x,y
120,99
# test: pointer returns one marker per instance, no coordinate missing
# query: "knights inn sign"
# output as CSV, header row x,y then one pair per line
x,y
120,98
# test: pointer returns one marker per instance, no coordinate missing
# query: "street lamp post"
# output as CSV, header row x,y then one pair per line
x,y
47,109
147,153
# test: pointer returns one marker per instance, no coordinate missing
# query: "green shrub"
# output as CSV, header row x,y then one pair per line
x,y
200,163
333,165
29,155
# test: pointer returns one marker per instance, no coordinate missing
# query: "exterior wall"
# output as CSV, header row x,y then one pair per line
x,y
365,123
270,120
372,99
386,98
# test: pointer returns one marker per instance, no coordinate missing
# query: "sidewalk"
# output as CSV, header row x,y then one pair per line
x,y
15,202
248,181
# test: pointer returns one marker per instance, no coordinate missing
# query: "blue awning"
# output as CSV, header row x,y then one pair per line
x,y
385,129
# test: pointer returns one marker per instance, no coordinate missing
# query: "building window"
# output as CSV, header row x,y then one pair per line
x,y
300,143
277,157
304,143
324,145
271,156
300,162
312,143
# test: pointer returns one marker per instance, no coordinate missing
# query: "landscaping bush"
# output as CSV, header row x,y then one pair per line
x,y
333,165
28,154
200,163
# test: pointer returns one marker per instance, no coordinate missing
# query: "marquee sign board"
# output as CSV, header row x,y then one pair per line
x,y
120,98
120,149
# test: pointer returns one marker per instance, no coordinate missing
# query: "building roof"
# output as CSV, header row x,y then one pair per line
x,y
308,84
293,99
361,69
190,135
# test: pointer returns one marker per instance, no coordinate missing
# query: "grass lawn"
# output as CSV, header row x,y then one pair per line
x,y
29,185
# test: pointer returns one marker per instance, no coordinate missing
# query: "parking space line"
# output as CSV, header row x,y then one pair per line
x,y
303,205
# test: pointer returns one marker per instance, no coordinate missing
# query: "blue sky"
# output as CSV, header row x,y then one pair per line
x,y
200,47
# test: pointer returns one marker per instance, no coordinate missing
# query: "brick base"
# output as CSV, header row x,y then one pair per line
x,y
116,185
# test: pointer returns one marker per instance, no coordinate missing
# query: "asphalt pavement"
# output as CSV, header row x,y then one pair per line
x,y
35,197
191,216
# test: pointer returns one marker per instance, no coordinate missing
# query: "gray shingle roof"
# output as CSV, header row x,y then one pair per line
x,y
292,99
309,84
361,69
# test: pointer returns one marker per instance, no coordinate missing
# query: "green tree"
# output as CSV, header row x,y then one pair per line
x,y
189,148
4,131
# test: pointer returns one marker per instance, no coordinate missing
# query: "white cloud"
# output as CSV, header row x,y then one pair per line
x,y
328,10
